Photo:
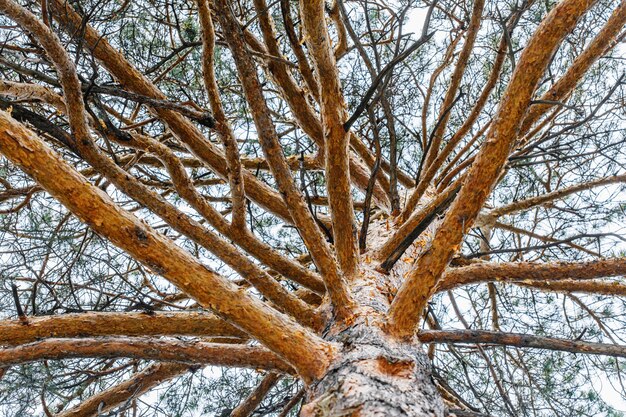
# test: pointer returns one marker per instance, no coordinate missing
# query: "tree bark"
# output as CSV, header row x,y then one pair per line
x,y
375,376
133,387
374,373
155,251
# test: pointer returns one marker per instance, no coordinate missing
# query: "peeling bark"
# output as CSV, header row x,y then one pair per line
x,y
375,376
373,373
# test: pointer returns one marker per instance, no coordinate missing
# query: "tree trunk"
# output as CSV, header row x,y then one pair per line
x,y
375,376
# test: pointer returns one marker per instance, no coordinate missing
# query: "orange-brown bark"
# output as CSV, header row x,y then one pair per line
x,y
522,271
455,81
123,229
188,134
17,332
231,150
133,387
171,350
337,140
76,111
252,401
425,214
251,272
575,72
367,359
123,70
415,292
554,195
310,232
307,119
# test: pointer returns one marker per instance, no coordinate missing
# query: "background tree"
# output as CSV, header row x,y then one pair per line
x,y
343,208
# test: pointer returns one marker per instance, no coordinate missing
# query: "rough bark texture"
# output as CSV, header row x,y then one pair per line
x,y
15,332
115,62
146,348
375,376
119,394
95,208
337,139
309,231
351,332
417,289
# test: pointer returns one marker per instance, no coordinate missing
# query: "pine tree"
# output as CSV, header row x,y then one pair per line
x,y
364,208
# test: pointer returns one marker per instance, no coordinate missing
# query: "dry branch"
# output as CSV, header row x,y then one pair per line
x,y
520,340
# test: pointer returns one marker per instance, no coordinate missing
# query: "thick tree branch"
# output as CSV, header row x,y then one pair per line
x,y
522,271
170,214
26,91
252,401
554,195
76,111
575,72
158,253
190,352
310,232
235,178
16,332
224,250
406,308
333,108
455,82
595,287
393,248
188,134
304,113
